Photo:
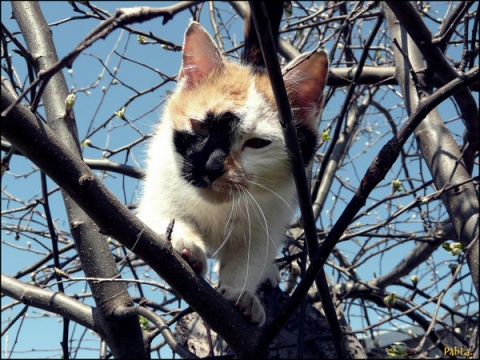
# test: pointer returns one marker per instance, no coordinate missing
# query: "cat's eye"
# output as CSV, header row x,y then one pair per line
x,y
256,143
199,127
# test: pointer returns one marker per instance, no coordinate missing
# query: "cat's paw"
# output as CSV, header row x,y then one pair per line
x,y
193,254
248,303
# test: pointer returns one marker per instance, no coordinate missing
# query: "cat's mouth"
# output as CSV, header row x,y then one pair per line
x,y
203,183
217,186
216,191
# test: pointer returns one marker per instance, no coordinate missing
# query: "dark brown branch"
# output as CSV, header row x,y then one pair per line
x,y
438,147
124,336
37,142
375,173
406,13
269,51
51,301
450,24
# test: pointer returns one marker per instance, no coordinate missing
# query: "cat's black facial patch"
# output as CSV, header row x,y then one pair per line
x,y
204,152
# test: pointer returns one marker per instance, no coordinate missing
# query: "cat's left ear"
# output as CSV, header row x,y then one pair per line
x,y
305,79
200,55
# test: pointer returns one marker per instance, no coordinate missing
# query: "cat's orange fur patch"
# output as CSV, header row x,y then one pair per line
x,y
224,90
262,84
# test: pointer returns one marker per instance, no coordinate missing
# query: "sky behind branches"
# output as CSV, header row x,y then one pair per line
x,y
96,106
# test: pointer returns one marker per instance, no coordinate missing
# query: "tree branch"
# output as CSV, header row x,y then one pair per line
x,y
346,104
124,336
37,142
269,52
122,17
96,164
374,174
437,145
51,301
411,21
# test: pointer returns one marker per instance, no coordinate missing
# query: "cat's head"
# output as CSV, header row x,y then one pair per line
x,y
225,125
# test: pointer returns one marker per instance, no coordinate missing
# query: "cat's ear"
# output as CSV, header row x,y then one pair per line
x,y
200,55
305,79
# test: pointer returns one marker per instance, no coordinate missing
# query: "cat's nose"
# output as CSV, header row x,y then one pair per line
x,y
214,168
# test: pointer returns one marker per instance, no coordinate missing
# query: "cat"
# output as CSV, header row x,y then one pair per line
x,y
218,165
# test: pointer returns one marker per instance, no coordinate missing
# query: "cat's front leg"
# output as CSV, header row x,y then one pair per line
x,y
245,301
185,239
239,281
189,244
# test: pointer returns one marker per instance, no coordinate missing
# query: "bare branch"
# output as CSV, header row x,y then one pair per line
x,y
54,302
37,35
37,141
438,147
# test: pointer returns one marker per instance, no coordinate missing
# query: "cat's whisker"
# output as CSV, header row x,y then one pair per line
x,y
263,179
265,259
246,202
230,220
249,241
273,192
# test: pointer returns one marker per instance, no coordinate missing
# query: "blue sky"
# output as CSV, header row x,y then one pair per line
x,y
94,108
40,334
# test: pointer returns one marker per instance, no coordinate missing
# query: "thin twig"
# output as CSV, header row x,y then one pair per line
x,y
375,173
267,45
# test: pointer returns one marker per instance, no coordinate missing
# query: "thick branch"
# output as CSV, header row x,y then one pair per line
x,y
51,301
37,142
124,336
440,150
267,45
411,21
375,173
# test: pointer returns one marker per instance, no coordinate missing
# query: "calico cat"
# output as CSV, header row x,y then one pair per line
x,y
218,165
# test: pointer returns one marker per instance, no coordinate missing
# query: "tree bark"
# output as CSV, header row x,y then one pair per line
x,y
439,150
123,336
37,141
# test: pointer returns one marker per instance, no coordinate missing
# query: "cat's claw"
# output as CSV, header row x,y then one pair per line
x,y
196,264
248,303
191,253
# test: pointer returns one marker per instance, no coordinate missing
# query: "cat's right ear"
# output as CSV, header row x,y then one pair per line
x,y
200,55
